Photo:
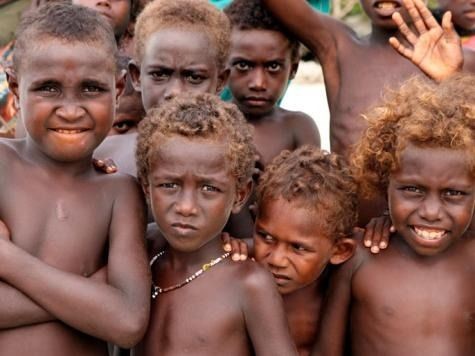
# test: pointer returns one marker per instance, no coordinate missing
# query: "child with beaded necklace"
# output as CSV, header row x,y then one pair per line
x,y
195,160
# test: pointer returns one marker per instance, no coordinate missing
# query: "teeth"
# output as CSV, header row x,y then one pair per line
x,y
70,132
427,234
386,5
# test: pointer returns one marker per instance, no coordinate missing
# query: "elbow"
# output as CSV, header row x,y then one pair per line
x,y
131,330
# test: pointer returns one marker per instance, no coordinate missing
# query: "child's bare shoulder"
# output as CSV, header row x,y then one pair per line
x,y
303,126
251,276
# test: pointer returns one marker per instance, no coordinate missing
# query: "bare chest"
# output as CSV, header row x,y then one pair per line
x,y
64,224
271,138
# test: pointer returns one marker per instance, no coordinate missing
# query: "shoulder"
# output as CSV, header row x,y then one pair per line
x,y
10,147
251,276
302,126
119,184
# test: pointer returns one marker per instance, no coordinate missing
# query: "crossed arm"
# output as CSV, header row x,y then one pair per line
x,y
116,311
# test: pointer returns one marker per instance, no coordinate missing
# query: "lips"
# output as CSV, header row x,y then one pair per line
x,y
69,131
386,8
182,228
256,101
280,279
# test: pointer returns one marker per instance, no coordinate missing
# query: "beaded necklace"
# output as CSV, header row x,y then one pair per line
x,y
156,290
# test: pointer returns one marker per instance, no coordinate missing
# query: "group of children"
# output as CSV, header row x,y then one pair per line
x,y
74,279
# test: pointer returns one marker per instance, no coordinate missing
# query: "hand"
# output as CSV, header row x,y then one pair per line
x,y
104,165
4,232
376,235
237,247
436,50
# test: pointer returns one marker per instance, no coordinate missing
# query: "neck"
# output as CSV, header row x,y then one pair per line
x,y
381,35
58,168
193,260
308,294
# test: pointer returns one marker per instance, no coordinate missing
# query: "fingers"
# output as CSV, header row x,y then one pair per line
x,y
404,29
376,236
428,19
237,248
398,46
448,27
105,165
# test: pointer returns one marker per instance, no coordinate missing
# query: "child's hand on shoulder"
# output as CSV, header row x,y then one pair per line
x,y
377,233
106,166
237,247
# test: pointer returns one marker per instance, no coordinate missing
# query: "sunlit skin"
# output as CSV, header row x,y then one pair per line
x,y
116,12
420,289
260,66
192,194
175,61
69,245
296,252
356,69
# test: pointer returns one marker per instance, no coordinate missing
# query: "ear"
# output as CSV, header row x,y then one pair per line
x,y
146,191
13,84
343,250
120,85
294,67
242,195
222,80
134,72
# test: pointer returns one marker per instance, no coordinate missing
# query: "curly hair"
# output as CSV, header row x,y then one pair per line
x,y
252,15
197,15
199,116
317,180
65,22
421,113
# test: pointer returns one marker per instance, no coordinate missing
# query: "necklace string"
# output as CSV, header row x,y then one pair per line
x,y
156,290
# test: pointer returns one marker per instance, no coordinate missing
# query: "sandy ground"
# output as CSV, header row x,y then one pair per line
x,y
307,93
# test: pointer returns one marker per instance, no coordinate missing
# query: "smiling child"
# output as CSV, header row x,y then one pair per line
x,y
416,296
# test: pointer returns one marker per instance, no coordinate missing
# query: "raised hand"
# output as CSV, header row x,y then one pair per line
x,y
435,49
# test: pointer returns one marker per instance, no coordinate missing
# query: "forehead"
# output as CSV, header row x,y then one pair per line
x,y
177,46
259,43
54,58
200,156
300,222
435,165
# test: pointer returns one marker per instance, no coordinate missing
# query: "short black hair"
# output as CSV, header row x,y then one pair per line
x,y
66,22
252,15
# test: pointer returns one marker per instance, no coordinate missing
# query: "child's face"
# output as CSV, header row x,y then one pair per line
x,y
191,191
129,113
260,68
463,12
380,12
290,248
176,61
116,12
67,95
431,201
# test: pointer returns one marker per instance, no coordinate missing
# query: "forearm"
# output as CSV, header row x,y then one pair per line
x,y
95,308
17,310
314,29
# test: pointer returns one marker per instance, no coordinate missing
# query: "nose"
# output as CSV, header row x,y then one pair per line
x,y
186,204
173,89
70,111
103,3
431,208
277,257
258,80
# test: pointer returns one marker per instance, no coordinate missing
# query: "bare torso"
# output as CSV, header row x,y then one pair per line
x,y
302,309
403,304
46,216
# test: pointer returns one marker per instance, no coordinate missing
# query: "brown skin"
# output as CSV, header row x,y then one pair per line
x,y
175,61
192,194
260,66
355,69
418,290
297,253
93,285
